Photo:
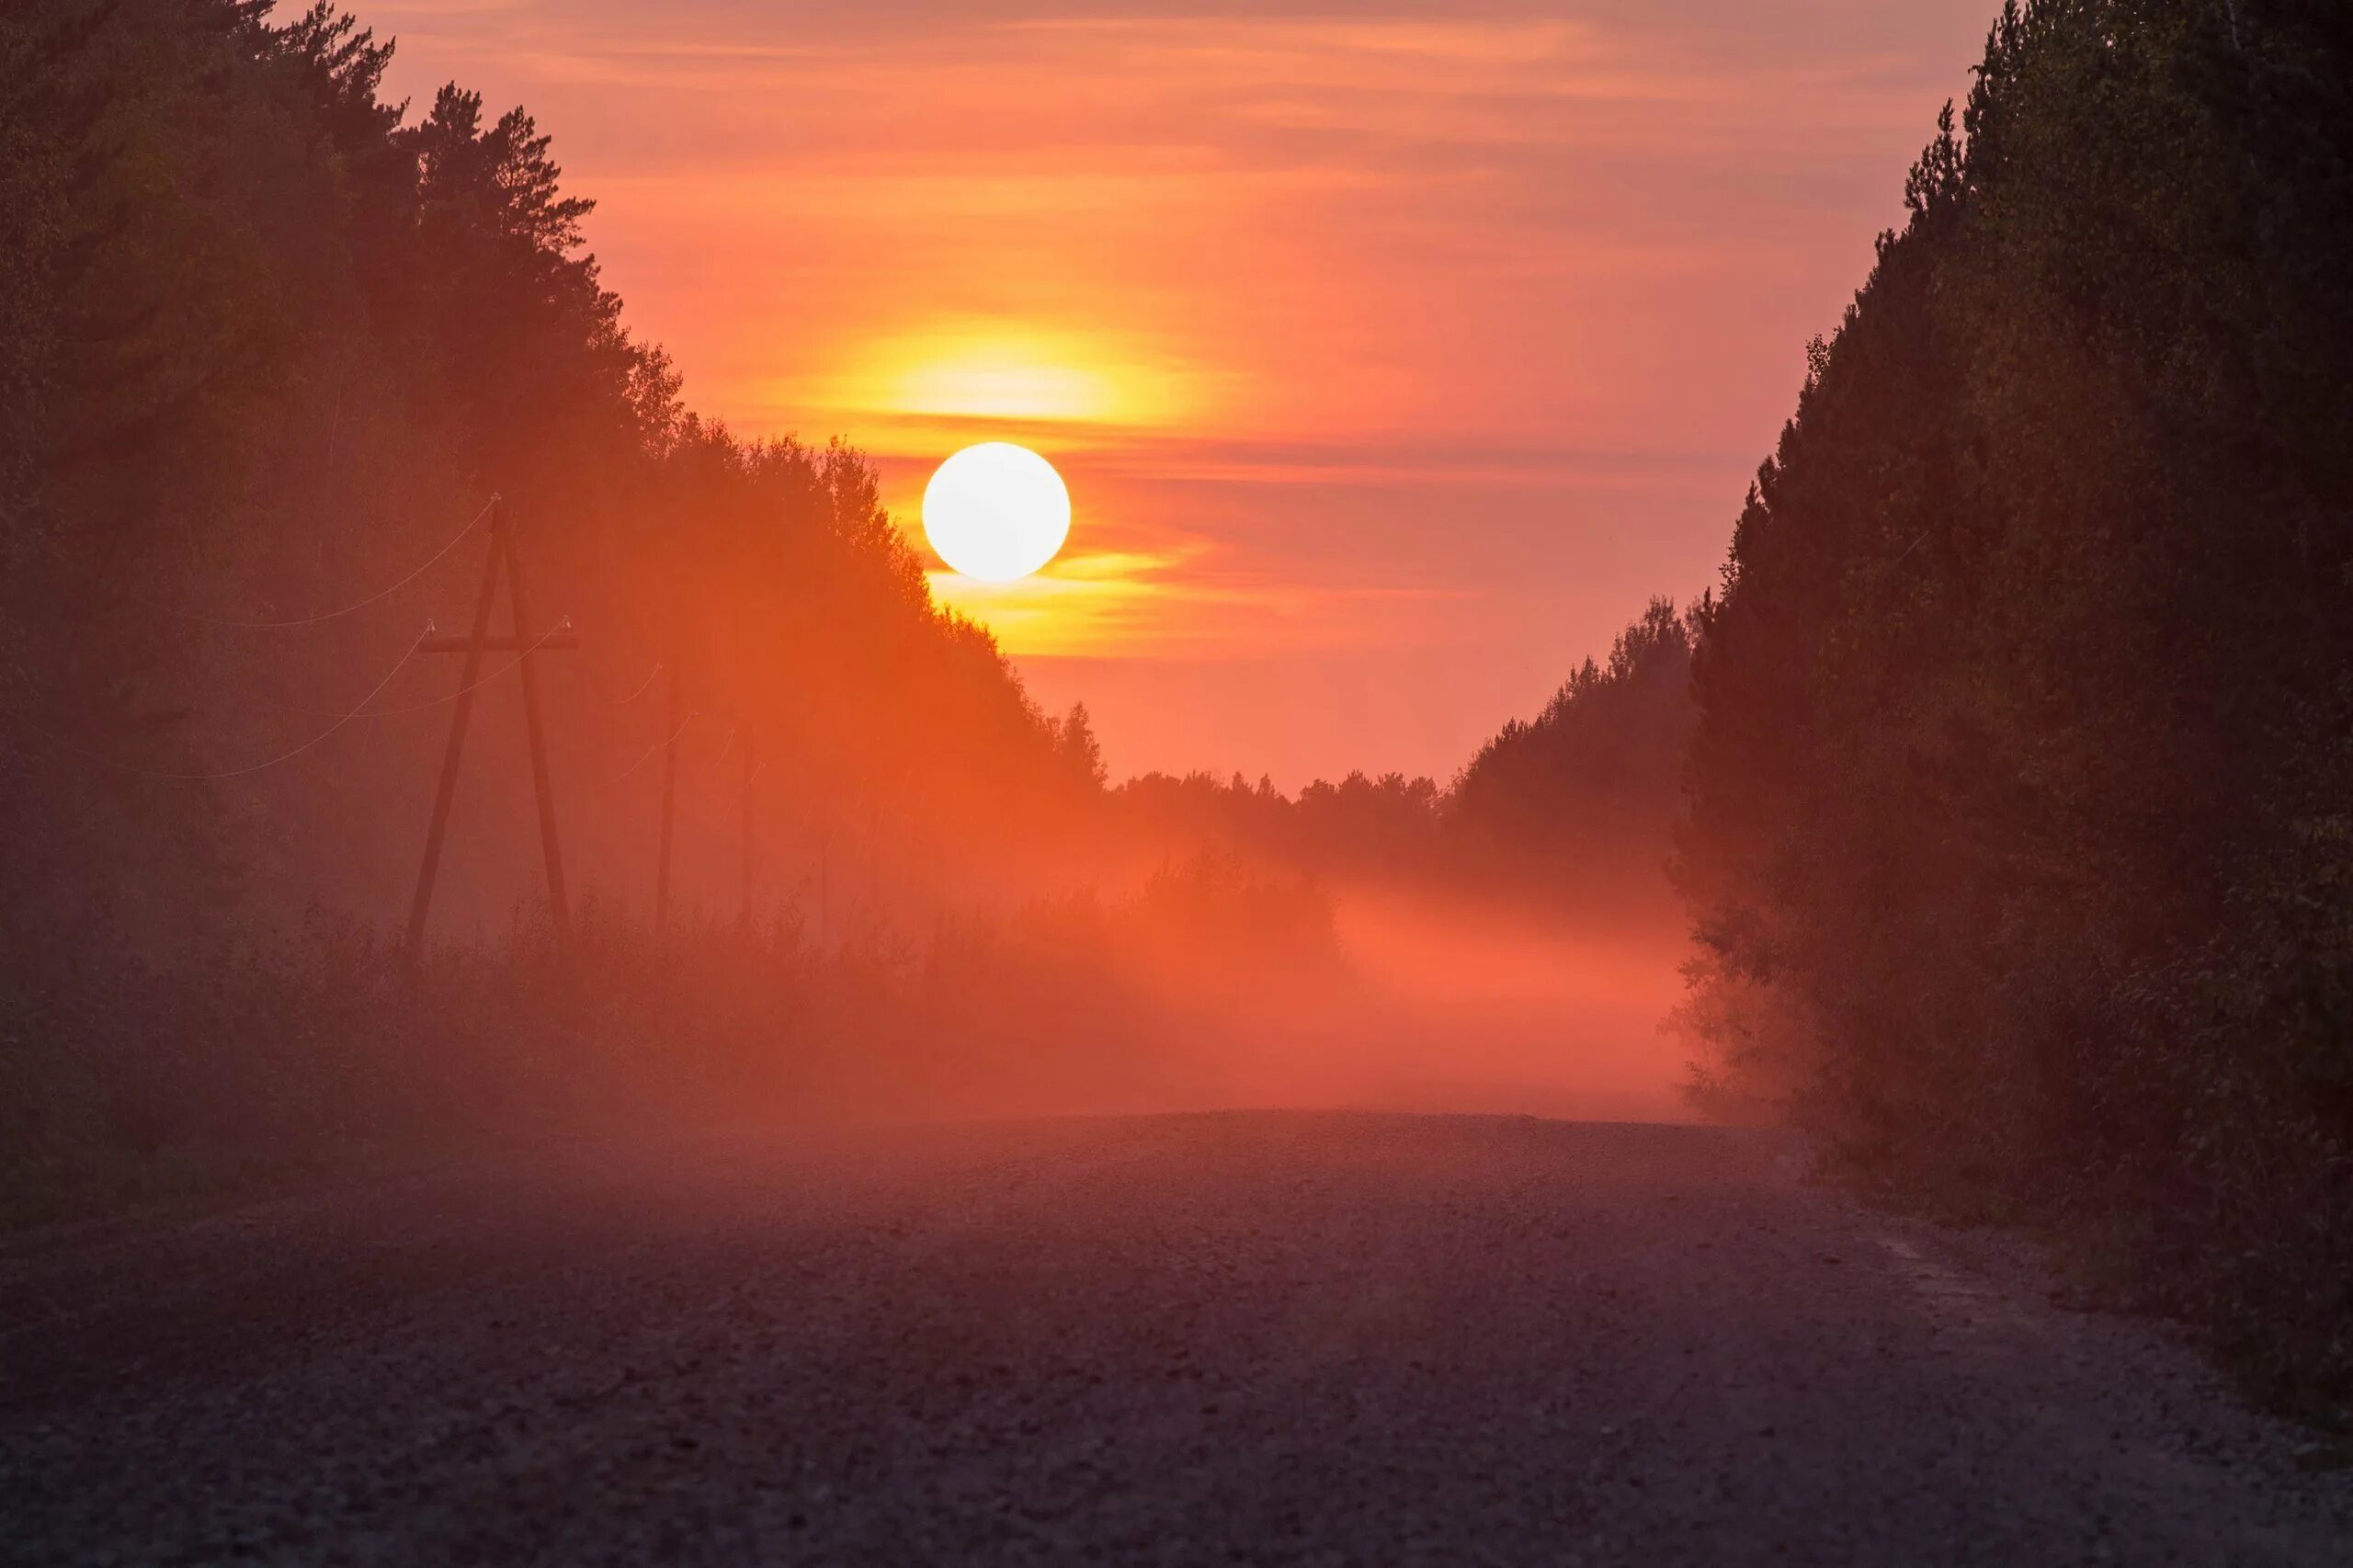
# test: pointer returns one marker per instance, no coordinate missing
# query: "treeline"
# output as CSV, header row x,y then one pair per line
x,y
271,341
1570,812
2021,798
269,344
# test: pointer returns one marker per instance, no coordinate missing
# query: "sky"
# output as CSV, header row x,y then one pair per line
x,y
1395,355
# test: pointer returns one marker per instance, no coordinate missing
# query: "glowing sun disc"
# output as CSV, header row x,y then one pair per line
x,y
997,512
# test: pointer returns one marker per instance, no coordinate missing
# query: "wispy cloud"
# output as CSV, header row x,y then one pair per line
x,y
1178,604
1456,328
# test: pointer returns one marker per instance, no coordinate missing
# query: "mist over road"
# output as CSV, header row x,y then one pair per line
x,y
1261,1338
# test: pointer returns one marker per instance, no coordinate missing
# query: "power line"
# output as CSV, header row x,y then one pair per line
x,y
449,697
284,756
633,696
650,751
446,697
350,608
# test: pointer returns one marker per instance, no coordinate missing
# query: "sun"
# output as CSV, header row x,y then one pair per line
x,y
997,512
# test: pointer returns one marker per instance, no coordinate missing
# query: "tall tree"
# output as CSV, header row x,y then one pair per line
x,y
2019,832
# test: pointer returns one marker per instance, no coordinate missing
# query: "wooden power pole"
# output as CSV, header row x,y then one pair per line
x,y
473,647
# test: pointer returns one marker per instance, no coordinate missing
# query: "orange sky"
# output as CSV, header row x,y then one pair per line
x,y
1392,361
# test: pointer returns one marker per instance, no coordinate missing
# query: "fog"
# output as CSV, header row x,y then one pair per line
x,y
1216,984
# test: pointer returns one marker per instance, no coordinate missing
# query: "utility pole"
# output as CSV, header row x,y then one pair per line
x,y
473,647
542,784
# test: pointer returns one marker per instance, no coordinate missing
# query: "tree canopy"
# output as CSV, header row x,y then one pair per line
x,y
2019,839
271,341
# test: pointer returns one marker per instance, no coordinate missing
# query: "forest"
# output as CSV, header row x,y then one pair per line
x,y
2001,785
2020,837
276,347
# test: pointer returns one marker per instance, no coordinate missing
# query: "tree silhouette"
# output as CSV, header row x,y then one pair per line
x,y
2018,836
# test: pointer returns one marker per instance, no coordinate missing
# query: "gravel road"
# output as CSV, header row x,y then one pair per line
x,y
1249,1337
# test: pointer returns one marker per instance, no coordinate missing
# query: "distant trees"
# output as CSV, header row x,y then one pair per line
x,y
1078,750
1360,825
1580,802
1575,810
1389,822
2020,842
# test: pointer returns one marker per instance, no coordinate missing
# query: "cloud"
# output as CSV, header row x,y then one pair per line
x,y
1455,326
1177,603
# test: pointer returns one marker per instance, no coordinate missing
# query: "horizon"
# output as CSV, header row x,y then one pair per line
x,y
1418,352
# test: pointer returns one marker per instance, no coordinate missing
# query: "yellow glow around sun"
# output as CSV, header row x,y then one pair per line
x,y
997,512
979,370
987,382
1101,604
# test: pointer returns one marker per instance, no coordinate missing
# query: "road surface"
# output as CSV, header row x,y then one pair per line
x,y
1260,1338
